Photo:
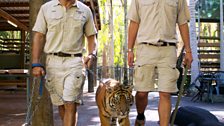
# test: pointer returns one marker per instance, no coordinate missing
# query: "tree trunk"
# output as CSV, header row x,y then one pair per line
x,y
104,70
111,40
41,105
125,81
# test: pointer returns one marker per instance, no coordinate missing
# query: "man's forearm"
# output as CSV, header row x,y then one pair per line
x,y
92,43
184,31
132,33
37,46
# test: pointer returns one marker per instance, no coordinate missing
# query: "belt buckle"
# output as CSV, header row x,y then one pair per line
x,y
160,44
60,54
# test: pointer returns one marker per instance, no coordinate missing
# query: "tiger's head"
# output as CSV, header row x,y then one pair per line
x,y
118,98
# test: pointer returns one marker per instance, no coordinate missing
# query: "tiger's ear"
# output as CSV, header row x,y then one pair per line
x,y
129,87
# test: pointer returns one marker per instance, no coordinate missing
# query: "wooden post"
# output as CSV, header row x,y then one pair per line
x,y
92,74
22,52
42,108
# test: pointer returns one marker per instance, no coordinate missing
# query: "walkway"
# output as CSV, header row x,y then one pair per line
x,y
13,109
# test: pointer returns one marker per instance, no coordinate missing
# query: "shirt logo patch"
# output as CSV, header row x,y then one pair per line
x,y
79,12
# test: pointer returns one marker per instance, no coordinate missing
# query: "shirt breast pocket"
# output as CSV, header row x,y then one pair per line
x,y
147,2
172,3
55,21
77,23
171,8
147,7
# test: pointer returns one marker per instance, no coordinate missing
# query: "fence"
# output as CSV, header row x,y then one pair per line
x,y
122,74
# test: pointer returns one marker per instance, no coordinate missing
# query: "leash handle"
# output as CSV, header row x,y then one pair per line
x,y
41,86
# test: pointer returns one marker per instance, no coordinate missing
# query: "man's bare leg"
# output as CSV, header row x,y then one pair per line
x,y
164,108
61,110
70,118
76,118
141,103
141,99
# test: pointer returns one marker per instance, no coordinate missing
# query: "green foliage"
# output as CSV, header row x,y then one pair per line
x,y
118,31
10,34
119,36
4,34
210,9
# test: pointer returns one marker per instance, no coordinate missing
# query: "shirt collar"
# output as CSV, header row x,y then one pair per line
x,y
77,4
57,2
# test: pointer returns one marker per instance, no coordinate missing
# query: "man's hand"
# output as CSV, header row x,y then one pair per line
x,y
38,71
88,60
130,58
132,33
188,59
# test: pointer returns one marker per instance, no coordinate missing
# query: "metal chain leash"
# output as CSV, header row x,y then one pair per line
x,y
31,113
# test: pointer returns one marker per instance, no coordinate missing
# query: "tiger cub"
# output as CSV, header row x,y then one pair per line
x,y
114,101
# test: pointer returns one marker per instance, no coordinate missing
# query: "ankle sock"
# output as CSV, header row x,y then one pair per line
x,y
140,116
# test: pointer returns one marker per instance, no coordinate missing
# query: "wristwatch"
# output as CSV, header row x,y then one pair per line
x,y
130,50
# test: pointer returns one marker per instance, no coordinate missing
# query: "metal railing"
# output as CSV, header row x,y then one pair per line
x,y
121,74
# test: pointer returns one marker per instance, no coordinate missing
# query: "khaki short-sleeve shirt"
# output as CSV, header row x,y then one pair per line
x,y
64,29
158,18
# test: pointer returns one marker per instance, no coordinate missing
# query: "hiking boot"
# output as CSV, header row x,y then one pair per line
x,y
139,122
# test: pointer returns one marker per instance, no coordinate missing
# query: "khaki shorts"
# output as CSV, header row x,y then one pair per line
x,y
149,57
64,79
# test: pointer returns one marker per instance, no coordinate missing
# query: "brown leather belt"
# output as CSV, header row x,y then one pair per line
x,y
160,44
61,54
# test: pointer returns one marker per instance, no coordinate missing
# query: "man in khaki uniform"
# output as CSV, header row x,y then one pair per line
x,y
153,30
63,23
